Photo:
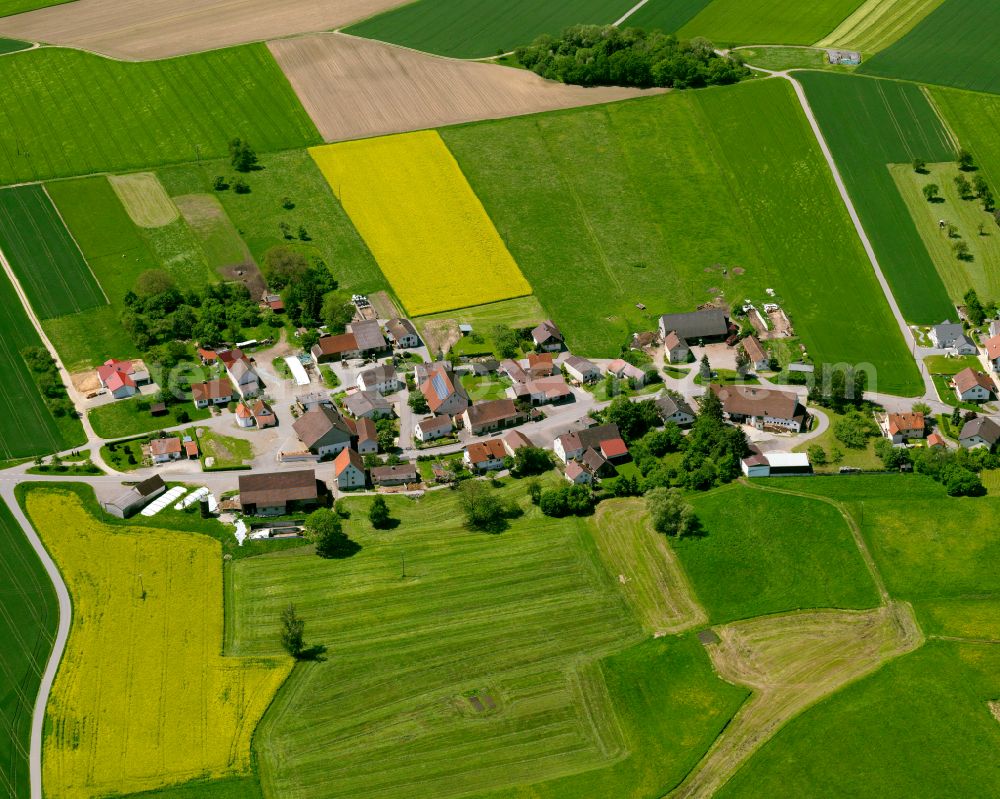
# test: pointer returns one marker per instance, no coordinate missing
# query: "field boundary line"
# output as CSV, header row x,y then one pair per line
x,y
79,249
630,12
945,126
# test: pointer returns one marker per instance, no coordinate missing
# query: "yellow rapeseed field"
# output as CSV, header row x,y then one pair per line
x,y
423,223
143,697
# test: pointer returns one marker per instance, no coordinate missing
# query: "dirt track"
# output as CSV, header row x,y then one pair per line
x,y
148,29
792,662
354,88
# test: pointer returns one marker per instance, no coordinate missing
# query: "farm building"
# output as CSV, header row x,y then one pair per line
x,y
548,337
367,405
542,391
432,428
676,348
581,370
513,370
323,431
979,433
135,498
973,386
381,378
756,354
515,440
162,450
349,469
121,378
278,493
674,409
485,456
402,333
572,446
443,394
335,348
366,435
776,464
369,338
403,474
902,427
765,409
710,324
212,392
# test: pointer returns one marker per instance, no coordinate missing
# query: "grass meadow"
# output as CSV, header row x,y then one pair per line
x,y
878,23
869,124
29,614
67,112
143,697
144,199
43,255
480,28
974,118
728,22
674,201
954,45
920,726
766,553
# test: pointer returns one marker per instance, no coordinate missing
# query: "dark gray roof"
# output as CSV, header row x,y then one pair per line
x,y
369,336
982,426
668,406
362,402
700,324
321,424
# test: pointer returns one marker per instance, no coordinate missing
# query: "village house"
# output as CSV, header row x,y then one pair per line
x,y
765,409
403,474
623,370
548,337
993,353
244,416
572,446
367,405
443,394
207,355
674,409
706,325
951,336
936,441
402,333
902,427
369,338
432,428
513,370
278,493
323,431
756,354
485,456
121,378
335,348
981,432
581,370
676,348
540,364
485,417
263,414
241,373
515,440
135,498
212,392
577,474
162,450
542,391
349,470
973,386
381,378
365,435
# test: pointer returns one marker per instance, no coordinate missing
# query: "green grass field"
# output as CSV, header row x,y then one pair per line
x,y
28,618
728,22
779,58
767,553
70,113
43,255
667,15
975,119
945,365
955,45
480,28
858,458
672,202
123,418
12,46
878,23
920,726
868,125
215,233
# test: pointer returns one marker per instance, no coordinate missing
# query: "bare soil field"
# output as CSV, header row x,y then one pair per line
x,y
145,30
354,88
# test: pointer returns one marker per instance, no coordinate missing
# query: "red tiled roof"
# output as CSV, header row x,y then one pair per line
x,y
935,440
613,448
345,458
212,389
118,380
905,422
243,412
492,449
165,446
191,449
993,348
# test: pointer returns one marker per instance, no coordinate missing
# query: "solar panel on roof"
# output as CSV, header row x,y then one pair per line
x,y
439,387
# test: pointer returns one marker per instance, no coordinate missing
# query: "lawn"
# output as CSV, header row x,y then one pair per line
x,y
227,452
27,627
673,201
215,233
945,365
257,215
667,15
480,28
857,458
129,417
981,270
143,698
768,553
869,124
411,203
55,118
955,45
124,456
519,313
43,255
878,23
920,726
728,22
455,672
485,387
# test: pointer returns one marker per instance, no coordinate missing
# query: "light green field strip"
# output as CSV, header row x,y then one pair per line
x,y
878,23
215,232
144,199
767,21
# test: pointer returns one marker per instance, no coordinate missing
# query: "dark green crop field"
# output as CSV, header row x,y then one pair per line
x,y
66,112
955,45
480,28
869,124
667,15
43,255
29,615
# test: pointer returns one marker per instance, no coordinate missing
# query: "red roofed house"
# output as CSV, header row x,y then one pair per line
x,y
614,449
263,415
577,474
762,408
366,433
901,427
444,396
212,392
244,416
162,450
484,456
335,348
973,386
119,377
624,370
540,364
993,352
676,348
349,469
935,441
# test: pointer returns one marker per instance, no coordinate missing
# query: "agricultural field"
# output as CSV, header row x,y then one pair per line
x,y
143,698
214,231
727,22
144,198
480,28
674,201
428,231
28,618
899,126
879,23
779,58
666,15
45,258
778,553
11,7
954,45
12,46
55,118
974,118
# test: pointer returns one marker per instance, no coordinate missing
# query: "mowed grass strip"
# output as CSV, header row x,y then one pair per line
x,y
67,112
766,553
47,261
955,45
878,23
390,714
768,21
674,201
143,697
869,124
144,199
479,28
28,618
421,220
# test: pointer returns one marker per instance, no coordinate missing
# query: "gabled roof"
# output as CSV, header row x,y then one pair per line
x,y
277,488
212,389
491,411
625,369
243,411
434,424
750,401
400,328
593,460
581,365
982,426
438,387
117,380
491,449
935,440
368,334
613,448
229,357
545,331
589,438
708,323
362,402
969,378
515,439
574,470
405,471
382,373
365,430
674,340
165,446
312,426
668,406
347,457
993,348
335,345
754,350
905,422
